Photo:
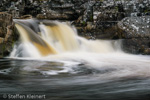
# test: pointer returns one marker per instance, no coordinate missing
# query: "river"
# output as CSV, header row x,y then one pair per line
x,y
51,62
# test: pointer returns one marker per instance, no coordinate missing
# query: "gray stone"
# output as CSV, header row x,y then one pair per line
x,y
135,27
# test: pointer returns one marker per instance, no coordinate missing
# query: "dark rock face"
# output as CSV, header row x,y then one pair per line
x,y
44,9
107,13
104,20
136,34
137,46
73,9
62,9
6,33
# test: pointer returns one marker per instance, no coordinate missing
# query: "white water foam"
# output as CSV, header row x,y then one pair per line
x,y
101,55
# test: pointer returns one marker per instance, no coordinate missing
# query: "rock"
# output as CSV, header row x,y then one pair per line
x,y
5,20
104,20
61,10
136,34
25,17
135,27
76,7
147,51
52,16
89,26
136,45
1,40
6,33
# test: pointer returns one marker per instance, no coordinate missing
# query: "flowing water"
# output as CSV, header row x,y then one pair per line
x,y
51,59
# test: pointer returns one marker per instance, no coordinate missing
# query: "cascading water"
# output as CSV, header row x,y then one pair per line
x,y
56,38
56,41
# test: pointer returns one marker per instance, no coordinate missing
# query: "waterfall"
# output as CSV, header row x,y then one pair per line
x,y
43,38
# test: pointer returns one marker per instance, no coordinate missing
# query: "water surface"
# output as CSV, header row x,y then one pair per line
x,y
106,77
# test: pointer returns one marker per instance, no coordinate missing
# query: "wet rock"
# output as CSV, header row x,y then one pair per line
x,y
6,33
54,16
1,40
136,45
41,16
104,20
25,17
147,51
76,7
136,34
135,27
61,10
105,14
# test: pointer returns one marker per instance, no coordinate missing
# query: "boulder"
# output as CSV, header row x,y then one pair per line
x,y
6,33
135,27
136,34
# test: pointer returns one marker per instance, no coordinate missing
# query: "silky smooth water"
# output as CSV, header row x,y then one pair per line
x,y
72,77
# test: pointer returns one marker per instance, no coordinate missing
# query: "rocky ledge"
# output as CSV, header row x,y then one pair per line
x,y
7,36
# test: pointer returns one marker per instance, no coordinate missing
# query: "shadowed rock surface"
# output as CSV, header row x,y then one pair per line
x,y
7,36
136,34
